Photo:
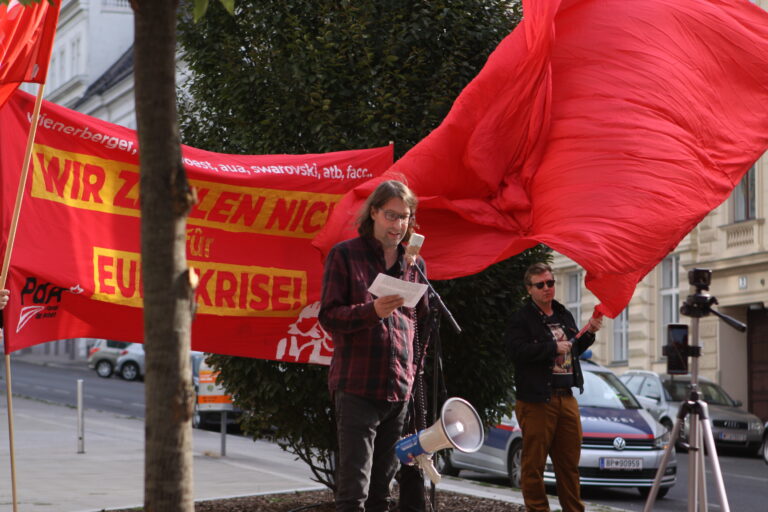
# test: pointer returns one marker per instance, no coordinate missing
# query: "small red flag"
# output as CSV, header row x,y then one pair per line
x,y
26,40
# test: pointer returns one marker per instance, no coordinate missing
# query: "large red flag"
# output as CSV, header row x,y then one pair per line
x,y
606,130
26,39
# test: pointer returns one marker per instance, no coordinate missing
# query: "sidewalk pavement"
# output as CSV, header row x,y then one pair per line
x,y
52,477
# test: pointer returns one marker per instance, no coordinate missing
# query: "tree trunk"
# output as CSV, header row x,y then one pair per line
x,y
168,294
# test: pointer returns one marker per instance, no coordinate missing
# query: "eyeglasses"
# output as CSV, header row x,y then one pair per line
x,y
540,285
392,216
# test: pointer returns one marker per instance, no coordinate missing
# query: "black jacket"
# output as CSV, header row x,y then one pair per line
x,y
533,350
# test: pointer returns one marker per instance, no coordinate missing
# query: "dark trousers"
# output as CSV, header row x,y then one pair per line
x,y
367,432
552,428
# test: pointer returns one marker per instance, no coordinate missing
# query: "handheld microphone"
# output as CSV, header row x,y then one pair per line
x,y
414,246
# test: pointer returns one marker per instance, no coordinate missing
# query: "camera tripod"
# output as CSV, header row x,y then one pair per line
x,y
700,429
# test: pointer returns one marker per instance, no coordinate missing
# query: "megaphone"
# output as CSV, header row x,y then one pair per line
x,y
459,427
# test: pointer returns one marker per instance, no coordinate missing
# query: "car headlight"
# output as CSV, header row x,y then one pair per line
x,y
662,441
755,425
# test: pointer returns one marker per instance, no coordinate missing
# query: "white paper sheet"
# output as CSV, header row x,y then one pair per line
x,y
388,285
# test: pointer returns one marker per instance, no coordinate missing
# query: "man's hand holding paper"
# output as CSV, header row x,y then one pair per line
x,y
385,286
387,304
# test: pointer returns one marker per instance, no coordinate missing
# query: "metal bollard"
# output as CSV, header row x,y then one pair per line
x,y
223,433
80,418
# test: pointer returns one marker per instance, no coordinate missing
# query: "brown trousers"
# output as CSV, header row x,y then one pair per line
x,y
553,429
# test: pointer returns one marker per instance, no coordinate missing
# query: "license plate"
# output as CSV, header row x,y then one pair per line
x,y
616,463
728,436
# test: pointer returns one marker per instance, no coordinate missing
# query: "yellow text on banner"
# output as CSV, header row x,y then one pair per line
x,y
224,289
91,183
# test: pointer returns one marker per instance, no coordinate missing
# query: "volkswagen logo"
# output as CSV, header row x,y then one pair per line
x,y
619,443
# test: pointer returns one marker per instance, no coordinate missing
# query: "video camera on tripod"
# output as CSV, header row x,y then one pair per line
x,y
678,350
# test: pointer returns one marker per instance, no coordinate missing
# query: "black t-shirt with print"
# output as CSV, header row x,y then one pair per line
x,y
562,373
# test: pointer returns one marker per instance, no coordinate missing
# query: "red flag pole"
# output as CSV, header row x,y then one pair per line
x,y
4,277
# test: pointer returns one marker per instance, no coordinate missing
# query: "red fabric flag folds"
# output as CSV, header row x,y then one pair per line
x,y
606,130
26,39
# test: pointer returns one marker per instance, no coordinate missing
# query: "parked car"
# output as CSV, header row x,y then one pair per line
x,y
103,355
622,444
764,447
732,426
130,363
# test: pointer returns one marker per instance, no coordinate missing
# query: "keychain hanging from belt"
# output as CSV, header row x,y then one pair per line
x,y
419,400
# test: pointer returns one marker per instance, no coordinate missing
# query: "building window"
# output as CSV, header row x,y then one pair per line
x,y
62,69
573,297
75,50
670,295
52,77
743,198
621,336
115,5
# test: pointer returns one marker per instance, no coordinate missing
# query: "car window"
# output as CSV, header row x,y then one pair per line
x,y
650,388
606,390
633,382
714,394
678,389
117,344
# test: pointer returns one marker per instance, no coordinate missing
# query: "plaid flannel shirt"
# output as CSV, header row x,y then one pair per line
x,y
372,357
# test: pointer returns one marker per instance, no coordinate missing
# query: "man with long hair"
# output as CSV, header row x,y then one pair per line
x,y
372,369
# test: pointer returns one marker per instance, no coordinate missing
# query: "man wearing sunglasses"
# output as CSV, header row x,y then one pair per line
x,y
373,366
542,339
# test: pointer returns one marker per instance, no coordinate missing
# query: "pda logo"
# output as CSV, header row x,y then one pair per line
x,y
307,341
40,300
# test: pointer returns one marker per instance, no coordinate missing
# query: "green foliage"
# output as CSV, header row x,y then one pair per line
x,y
285,402
312,76
200,6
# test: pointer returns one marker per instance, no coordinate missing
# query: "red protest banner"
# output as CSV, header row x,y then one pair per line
x,y
75,270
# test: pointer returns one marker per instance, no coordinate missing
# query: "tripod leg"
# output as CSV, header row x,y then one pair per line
x,y
701,467
694,470
663,466
710,440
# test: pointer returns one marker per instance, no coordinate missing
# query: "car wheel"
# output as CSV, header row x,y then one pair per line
x,y
645,491
130,371
764,449
443,464
104,369
514,464
197,418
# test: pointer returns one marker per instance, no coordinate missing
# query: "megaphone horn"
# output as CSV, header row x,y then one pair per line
x,y
459,427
